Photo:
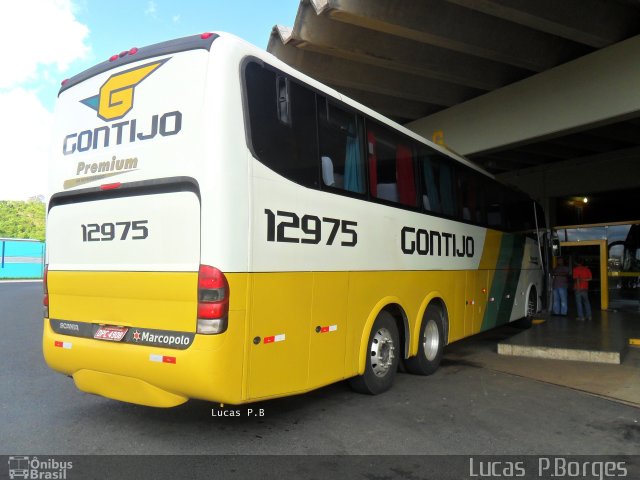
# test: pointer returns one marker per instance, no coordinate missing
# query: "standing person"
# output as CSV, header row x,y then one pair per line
x,y
582,277
560,283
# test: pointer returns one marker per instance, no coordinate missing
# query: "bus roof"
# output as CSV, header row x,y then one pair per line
x,y
205,41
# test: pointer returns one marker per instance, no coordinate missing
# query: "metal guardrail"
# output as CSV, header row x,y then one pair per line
x,y
21,258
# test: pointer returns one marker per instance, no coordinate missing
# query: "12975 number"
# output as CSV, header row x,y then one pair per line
x,y
287,227
106,232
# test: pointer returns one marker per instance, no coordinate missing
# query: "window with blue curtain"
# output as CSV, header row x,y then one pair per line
x,y
354,165
340,147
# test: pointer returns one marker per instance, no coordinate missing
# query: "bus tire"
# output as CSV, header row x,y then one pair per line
x,y
383,356
431,344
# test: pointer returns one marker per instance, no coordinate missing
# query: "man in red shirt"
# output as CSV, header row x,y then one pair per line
x,y
581,278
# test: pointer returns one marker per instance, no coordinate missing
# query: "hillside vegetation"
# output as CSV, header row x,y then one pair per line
x,y
22,219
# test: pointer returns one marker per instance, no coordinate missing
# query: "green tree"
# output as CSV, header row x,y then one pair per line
x,y
22,219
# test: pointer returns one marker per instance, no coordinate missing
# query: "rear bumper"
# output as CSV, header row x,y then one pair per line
x,y
126,389
210,369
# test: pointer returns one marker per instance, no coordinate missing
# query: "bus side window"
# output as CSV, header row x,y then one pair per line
x,y
405,177
430,190
464,195
519,212
471,195
340,147
481,208
391,166
494,202
282,124
447,188
437,183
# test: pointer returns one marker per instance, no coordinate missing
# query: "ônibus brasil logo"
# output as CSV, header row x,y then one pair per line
x,y
23,466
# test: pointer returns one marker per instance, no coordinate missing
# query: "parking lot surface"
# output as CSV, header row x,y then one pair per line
x,y
462,409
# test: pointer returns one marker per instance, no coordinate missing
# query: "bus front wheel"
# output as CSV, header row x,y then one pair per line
x,y
431,345
383,355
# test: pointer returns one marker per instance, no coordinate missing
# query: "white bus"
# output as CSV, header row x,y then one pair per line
x,y
223,227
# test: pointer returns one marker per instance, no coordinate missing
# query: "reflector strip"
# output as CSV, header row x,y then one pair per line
x,y
110,186
66,345
162,358
329,328
275,338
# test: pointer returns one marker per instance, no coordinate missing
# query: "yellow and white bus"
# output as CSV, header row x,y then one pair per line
x,y
223,227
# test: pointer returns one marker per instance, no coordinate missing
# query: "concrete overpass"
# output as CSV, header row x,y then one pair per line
x,y
545,93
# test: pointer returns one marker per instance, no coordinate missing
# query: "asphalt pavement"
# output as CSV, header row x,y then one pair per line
x,y
464,408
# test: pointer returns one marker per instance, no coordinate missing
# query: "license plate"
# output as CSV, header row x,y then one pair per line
x,y
113,334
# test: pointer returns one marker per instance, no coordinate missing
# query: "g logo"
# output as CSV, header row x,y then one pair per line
x,y
115,99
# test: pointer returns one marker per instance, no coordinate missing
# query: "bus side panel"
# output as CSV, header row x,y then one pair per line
x,y
280,309
328,328
489,264
504,287
472,303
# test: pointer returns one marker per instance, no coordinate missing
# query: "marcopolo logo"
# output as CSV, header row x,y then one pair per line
x,y
161,338
115,99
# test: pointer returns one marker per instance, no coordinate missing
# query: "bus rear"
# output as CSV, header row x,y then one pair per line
x,y
133,311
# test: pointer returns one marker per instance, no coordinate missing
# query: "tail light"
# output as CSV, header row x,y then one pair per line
x,y
45,300
213,301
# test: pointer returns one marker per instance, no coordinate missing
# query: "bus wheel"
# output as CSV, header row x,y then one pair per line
x,y
383,354
431,344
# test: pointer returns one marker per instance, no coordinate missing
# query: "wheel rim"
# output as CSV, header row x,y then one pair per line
x,y
382,352
531,304
431,340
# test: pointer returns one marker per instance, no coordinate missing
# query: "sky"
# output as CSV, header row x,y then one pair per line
x,y
46,41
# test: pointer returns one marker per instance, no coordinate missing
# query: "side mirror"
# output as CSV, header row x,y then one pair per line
x,y
555,245
284,103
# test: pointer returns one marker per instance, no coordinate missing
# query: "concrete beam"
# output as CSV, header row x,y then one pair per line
x,y
342,74
625,132
591,22
473,33
321,34
498,165
617,170
551,152
596,89
516,159
586,141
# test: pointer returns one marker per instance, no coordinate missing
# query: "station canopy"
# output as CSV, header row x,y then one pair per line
x,y
513,84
